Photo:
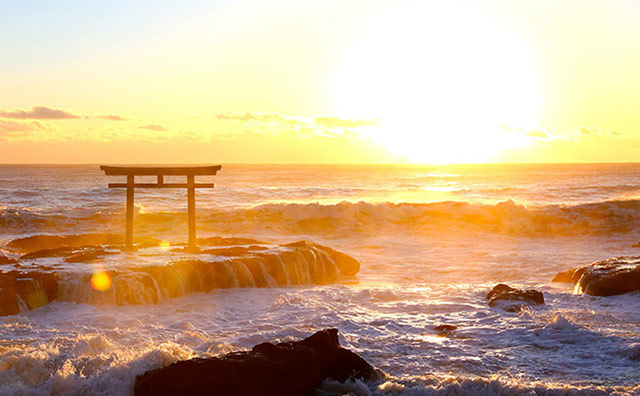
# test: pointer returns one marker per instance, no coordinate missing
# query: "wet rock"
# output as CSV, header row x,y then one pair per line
x,y
88,255
6,260
511,299
617,275
85,254
243,266
42,242
21,291
285,369
445,329
564,276
44,253
221,241
53,242
348,265
228,252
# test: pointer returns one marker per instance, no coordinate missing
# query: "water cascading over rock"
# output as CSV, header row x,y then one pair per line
x,y
64,273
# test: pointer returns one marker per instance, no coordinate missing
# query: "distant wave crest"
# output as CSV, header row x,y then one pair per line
x,y
361,217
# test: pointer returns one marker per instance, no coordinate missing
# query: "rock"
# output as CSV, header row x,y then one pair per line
x,y
347,264
513,300
26,290
221,241
564,276
285,369
88,254
6,260
445,329
51,242
617,275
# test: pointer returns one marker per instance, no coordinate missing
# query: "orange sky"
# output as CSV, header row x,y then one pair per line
x,y
320,81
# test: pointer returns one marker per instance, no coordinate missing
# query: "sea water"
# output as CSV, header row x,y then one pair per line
x,y
431,240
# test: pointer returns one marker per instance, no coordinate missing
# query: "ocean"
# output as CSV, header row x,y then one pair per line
x,y
431,242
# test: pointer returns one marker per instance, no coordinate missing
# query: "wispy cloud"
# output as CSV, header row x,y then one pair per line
x,y
38,113
22,130
154,127
252,117
587,132
327,121
275,124
536,133
112,118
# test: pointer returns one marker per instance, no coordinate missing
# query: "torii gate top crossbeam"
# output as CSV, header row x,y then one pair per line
x,y
160,170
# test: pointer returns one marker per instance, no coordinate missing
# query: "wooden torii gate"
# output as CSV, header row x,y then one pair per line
x,y
160,171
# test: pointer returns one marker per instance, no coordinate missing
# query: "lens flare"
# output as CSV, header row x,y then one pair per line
x,y
101,281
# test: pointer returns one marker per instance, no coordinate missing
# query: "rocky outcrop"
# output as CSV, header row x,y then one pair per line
x,y
157,273
6,260
618,275
46,242
21,291
285,369
35,243
513,300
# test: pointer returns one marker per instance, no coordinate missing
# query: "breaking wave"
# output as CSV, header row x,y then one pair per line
x,y
507,217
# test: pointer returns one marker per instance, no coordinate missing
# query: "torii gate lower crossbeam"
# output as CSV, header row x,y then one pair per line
x,y
160,171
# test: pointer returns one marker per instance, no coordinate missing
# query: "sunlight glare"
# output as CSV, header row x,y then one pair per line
x,y
446,92
100,281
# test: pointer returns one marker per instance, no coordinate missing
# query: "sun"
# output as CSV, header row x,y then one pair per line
x,y
447,83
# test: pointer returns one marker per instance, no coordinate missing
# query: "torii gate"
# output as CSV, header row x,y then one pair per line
x,y
160,171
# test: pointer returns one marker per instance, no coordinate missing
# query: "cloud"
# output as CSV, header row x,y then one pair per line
x,y
594,132
319,121
587,131
327,121
112,118
22,130
277,124
537,134
38,113
246,117
154,127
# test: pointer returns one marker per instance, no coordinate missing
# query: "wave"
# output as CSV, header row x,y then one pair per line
x,y
510,217
434,385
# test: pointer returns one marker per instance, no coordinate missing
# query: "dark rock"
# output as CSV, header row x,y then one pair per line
x,y
84,254
52,242
445,329
285,369
42,242
617,275
511,299
228,252
26,290
220,241
88,255
6,260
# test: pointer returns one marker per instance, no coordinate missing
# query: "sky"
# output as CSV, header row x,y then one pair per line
x,y
286,81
